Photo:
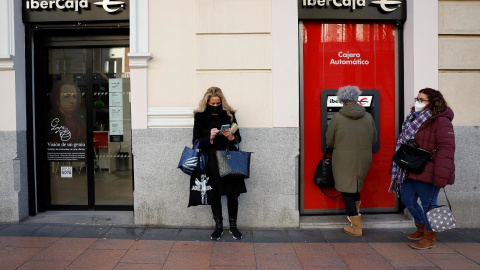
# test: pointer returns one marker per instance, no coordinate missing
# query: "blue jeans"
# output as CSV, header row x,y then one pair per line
x,y
411,190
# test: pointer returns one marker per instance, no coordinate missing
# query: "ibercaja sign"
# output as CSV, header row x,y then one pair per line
x,y
74,10
370,10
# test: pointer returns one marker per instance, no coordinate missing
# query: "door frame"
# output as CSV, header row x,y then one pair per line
x,y
399,101
39,39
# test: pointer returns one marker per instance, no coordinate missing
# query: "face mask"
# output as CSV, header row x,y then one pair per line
x,y
419,106
215,109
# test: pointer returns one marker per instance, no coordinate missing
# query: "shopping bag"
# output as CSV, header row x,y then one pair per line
x,y
201,192
191,159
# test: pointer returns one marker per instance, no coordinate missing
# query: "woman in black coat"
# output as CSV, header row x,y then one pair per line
x,y
213,112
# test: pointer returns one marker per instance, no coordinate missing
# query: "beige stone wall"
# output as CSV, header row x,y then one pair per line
x,y
201,43
459,59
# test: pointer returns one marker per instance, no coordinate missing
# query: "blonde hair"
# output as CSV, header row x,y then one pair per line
x,y
214,92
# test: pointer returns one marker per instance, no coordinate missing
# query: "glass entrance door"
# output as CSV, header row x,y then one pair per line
x,y
85,132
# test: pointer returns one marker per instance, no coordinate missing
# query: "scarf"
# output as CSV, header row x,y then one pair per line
x,y
409,128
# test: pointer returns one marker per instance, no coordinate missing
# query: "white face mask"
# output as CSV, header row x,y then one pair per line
x,y
419,106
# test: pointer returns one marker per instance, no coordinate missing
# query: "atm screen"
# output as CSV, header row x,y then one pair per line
x,y
334,106
370,100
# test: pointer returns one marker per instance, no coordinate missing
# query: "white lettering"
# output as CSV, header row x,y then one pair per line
x,y
57,4
353,4
35,4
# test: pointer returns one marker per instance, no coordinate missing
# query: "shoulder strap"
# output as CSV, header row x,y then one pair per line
x,y
334,197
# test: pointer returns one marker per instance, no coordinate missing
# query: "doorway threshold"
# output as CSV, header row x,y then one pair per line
x,y
378,221
101,218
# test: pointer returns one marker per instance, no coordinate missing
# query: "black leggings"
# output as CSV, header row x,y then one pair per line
x,y
349,200
232,205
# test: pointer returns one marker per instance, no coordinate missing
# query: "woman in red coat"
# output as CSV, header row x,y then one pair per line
x,y
430,124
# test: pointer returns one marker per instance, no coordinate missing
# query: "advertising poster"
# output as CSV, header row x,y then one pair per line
x,y
66,133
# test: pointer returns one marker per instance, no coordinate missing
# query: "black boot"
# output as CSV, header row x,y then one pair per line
x,y
232,203
234,230
217,216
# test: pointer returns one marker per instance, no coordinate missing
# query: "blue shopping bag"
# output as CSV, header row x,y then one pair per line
x,y
192,159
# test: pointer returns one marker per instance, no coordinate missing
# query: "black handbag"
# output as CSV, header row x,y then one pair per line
x,y
412,158
233,163
441,217
324,174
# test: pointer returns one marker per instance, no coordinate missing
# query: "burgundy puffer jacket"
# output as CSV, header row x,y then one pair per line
x,y
437,132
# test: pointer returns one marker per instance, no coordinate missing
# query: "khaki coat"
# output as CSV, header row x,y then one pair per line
x,y
351,134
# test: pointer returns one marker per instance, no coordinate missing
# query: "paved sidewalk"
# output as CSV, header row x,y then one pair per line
x,y
70,246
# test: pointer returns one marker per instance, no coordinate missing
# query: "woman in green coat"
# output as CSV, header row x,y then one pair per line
x,y
351,134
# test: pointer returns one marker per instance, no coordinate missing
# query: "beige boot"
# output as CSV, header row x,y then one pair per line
x,y
357,205
427,241
355,228
418,234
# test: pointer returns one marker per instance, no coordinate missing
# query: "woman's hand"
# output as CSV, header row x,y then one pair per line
x,y
213,133
227,133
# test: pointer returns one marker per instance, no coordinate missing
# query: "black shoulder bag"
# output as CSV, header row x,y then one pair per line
x,y
412,158
324,174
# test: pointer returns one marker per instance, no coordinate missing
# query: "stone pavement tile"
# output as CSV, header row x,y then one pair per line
x,y
452,261
417,268
459,236
327,268
193,246
277,261
53,230
353,248
187,260
13,257
97,259
339,236
469,250
124,233
148,251
322,255
306,236
65,250
385,235
44,265
188,234
366,261
154,233
5,241
440,248
138,266
230,267
88,231
233,254
20,229
112,244
400,255
273,248
40,242
271,236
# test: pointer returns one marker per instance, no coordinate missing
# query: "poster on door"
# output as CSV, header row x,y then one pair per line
x,y
65,126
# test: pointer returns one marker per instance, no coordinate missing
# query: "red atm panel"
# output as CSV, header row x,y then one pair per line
x,y
335,55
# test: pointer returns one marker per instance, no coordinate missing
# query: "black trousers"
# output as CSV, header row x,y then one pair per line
x,y
349,200
232,206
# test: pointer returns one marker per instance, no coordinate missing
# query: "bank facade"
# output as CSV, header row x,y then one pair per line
x,y
138,68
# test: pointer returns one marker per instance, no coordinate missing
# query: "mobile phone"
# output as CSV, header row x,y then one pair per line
x,y
224,127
